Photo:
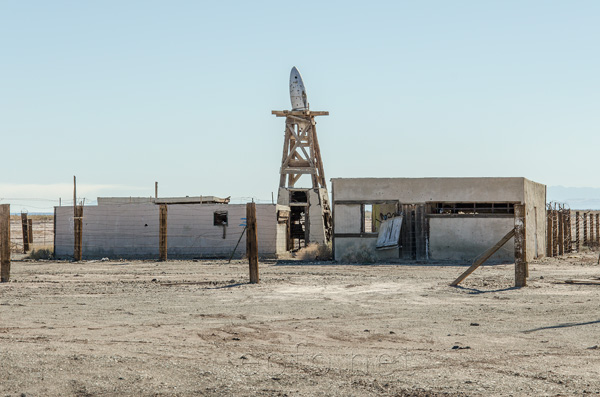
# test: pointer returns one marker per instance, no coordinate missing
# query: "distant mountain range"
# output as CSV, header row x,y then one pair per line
x,y
577,198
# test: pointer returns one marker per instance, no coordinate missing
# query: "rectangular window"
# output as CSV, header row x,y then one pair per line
x,y
220,218
472,208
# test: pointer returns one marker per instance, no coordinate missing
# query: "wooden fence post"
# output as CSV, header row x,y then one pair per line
x,y
30,230
577,230
549,233
78,232
252,240
162,230
4,243
597,229
585,229
569,235
592,239
561,232
25,227
521,270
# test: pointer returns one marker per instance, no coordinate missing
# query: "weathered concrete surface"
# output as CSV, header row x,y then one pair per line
x,y
535,219
464,239
452,238
131,231
421,190
347,218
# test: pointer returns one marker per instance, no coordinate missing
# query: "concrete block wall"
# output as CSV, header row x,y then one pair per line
x,y
131,231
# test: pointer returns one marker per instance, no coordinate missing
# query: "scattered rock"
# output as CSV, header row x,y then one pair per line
x,y
456,347
593,347
474,324
235,338
392,332
366,330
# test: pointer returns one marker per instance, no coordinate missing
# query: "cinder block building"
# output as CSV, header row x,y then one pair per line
x,y
197,227
442,219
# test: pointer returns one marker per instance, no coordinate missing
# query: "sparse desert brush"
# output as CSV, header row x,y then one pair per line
x,y
314,251
42,253
360,254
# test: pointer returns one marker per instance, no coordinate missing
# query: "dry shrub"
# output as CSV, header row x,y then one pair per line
x,y
314,251
42,253
360,254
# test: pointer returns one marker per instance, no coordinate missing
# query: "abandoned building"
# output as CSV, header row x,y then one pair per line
x,y
437,219
197,227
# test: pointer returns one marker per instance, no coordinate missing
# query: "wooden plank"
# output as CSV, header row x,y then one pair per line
x,y
285,113
4,243
252,238
579,281
521,267
297,170
484,257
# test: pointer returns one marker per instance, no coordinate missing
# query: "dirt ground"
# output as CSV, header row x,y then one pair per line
x,y
197,328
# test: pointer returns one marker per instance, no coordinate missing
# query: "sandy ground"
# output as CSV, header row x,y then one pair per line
x,y
196,328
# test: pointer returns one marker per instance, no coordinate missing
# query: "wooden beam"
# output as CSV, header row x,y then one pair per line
x,y
4,243
78,233
484,257
252,239
30,230
25,228
561,233
549,233
521,268
162,232
577,228
285,113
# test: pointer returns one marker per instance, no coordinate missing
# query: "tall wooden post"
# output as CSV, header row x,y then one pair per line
x,y
561,232
549,232
568,235
597,229
155,190
78,230
521,269
577,230
25,228
4,243
30,230
162,230
585,229
252,240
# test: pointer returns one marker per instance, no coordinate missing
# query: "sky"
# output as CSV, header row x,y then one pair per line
x,y
126,93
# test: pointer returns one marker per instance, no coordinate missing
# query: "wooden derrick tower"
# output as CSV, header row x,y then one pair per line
x,y
310,212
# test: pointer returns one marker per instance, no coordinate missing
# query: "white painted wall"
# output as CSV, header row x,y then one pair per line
x,y
131,231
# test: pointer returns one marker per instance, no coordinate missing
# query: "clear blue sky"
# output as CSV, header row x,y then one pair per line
x,y
125,93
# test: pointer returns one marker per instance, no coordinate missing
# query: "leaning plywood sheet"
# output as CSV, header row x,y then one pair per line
x,y
389,233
